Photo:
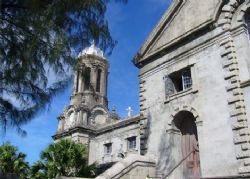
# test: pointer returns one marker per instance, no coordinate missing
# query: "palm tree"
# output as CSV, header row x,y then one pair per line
x,y
38,171
12,161
63,158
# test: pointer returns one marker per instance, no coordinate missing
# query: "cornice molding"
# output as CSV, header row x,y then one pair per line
x,y
98,131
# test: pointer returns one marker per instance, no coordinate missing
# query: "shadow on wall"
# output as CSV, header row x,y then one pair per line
x,y
169,155
146,134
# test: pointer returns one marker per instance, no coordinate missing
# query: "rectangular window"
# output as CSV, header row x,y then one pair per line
x,y
108,148
186,79
132,143
178,81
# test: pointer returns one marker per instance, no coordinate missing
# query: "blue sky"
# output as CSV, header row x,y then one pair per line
x,y
130,24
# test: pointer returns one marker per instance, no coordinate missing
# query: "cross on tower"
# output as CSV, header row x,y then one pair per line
x,y
129,109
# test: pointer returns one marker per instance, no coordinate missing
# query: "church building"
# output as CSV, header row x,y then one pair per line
x,y
194,72
87,119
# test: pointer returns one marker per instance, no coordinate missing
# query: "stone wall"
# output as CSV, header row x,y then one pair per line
x,y
118,138
132,167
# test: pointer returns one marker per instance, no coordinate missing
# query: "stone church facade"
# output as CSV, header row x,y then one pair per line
x,y
194,99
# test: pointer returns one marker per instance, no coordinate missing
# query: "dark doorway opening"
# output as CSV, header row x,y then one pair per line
x,y
185,123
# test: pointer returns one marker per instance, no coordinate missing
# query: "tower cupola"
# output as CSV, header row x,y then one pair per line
x,y
88,102
90,83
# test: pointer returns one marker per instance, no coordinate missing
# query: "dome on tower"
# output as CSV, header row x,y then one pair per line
x,y
92,50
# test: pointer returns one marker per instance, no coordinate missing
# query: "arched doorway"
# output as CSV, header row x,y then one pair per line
x,y
184,121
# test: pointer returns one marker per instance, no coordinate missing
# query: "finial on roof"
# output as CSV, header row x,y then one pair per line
x,y
92,42
113,108
129,109
92,50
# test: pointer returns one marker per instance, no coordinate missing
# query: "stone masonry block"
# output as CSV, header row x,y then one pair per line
x,y
237,91
239,104
241,118
226,26
229,45
241,139
234,99
233,67
234,3
244,131
228,8
243,154
245,169
227,51
226,41
223,21
231,74
237,112
245,146
232,86
231,56
239,125
142,99
228,15
142,81
234,79
143,90
247,162
229,62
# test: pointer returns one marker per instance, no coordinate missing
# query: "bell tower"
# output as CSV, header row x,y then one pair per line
x,y
90,83
88,107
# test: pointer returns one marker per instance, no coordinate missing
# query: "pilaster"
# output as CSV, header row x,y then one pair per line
x,y
236,105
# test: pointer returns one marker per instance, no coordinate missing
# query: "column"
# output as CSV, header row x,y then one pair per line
x,y
103,89
75,83
93,75
80,81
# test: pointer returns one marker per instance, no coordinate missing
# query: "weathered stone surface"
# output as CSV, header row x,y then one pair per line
x,y
223,107
218,98
133,166
183,18
87,119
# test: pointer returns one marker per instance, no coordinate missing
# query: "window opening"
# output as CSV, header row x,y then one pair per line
x,y
132,143
98,80
186,79
178,81
108,148
77,81
86,77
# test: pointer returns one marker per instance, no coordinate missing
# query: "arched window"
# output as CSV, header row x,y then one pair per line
x,y
247,20
98,80
86,76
